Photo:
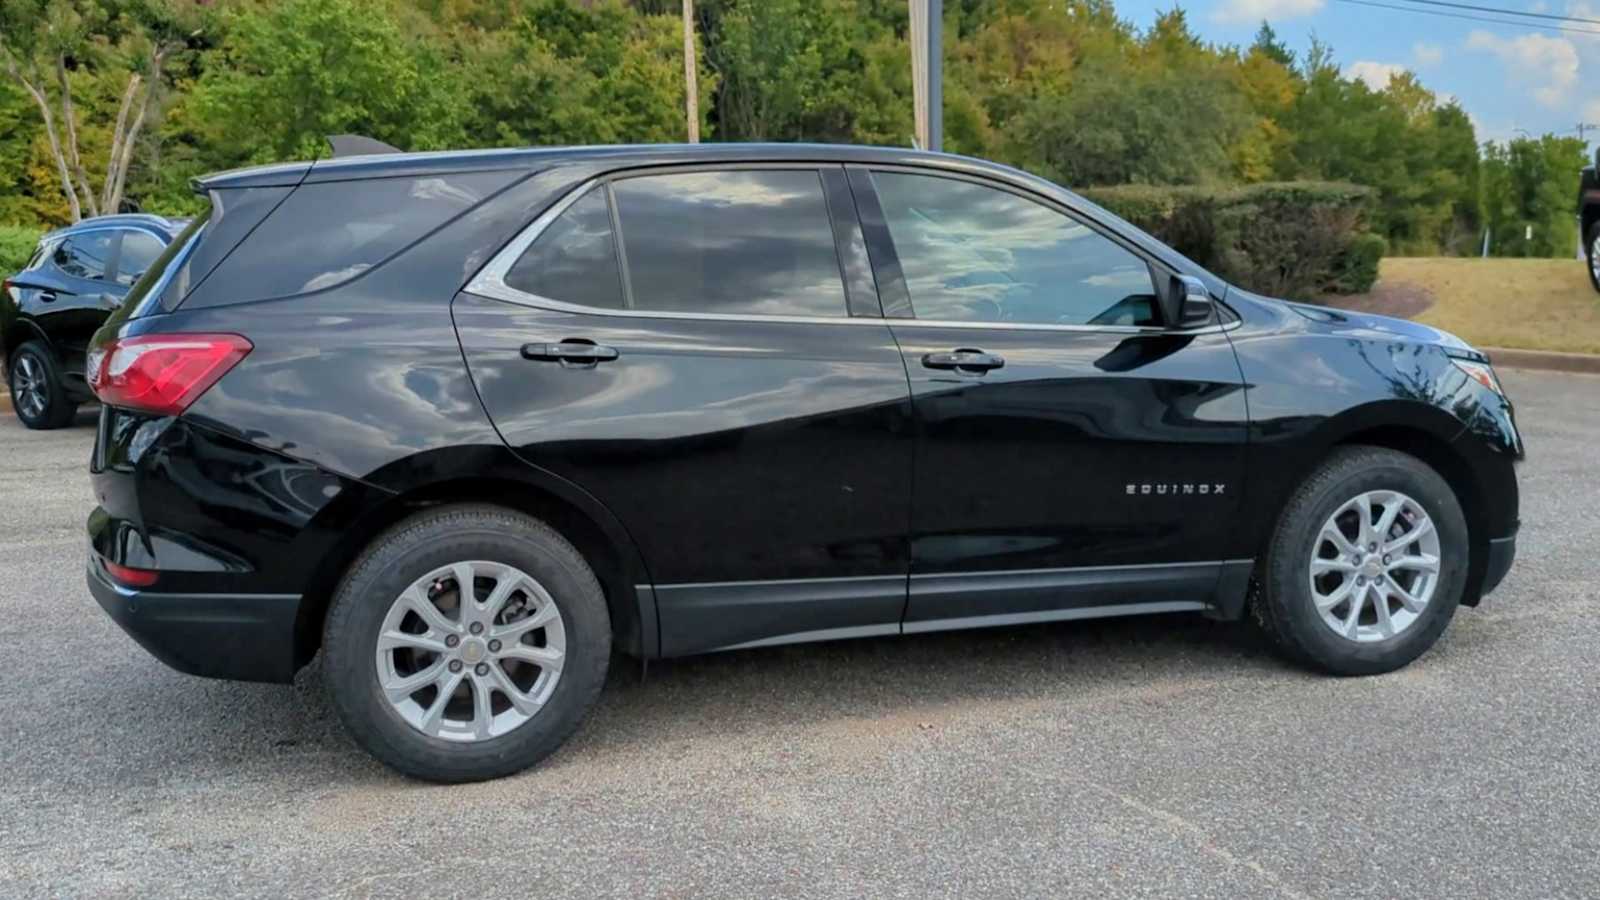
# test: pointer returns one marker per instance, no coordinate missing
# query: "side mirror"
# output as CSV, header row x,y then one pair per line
x,y
1186,303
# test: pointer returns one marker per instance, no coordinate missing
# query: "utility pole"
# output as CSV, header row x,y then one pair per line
x,y
691,89
927,72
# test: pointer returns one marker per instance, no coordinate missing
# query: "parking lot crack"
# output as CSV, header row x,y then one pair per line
x,y
1207,843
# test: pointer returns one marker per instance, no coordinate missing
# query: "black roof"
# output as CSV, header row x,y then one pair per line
x,y
392,164
146,221
530,158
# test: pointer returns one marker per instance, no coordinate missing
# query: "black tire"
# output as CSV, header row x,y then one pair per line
x,y
411,550
1590,239
57,411
1282,601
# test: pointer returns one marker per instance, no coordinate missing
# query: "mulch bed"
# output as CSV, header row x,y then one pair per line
x,y
1387,298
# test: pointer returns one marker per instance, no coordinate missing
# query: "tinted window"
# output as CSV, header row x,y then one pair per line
x,y
575,259
84,255
139,250
327,233
746,242
972,253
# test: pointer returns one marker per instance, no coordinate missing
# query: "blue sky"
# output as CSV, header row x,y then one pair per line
x,y
1506,76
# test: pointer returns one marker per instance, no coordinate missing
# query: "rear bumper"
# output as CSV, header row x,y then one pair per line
x,y
244,637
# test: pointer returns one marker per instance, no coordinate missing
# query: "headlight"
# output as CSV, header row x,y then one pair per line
x,y
1480,372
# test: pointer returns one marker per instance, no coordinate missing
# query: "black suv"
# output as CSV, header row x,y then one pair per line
x,y
48,311
469,422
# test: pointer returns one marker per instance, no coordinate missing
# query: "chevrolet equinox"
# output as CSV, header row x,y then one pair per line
x,y
466,423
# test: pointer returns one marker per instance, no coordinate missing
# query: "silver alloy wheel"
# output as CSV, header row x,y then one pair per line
x,y
29,388
1594,259
471,650
1375,566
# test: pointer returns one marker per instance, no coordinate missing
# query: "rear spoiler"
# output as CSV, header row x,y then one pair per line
x,y
292,173
357,145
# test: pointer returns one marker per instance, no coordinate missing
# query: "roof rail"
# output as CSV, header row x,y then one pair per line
x,y
357,145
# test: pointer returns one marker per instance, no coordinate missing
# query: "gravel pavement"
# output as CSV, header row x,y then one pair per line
x,y
1158,756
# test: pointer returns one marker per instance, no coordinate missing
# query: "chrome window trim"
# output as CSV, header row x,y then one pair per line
x,y
490,282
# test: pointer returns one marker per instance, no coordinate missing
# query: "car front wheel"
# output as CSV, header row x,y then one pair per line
x,y
1367,565
1591,244
466,644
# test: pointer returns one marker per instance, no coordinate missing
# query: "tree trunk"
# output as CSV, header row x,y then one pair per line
x,y
130,140
107,201
43,103
71,120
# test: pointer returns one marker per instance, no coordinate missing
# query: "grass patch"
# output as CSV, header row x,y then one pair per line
x,y
1527,304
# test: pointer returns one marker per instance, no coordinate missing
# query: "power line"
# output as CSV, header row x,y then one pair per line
x,y
1454,15
1505,12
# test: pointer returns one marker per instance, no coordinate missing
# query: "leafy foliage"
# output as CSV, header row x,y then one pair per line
x,y
17,243
1289,239
1060,87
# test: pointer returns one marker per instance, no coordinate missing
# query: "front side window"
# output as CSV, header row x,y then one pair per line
x,y
84,255
972,253
139,250
747,242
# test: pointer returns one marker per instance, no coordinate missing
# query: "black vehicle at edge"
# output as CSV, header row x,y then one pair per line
x,y
75,278
671,400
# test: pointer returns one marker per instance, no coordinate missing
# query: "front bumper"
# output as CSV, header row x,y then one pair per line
x,y
243,637
1501,553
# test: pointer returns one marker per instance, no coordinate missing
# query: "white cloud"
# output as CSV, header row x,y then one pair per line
x,y
1249,12
1591,112
1375,74
1547,64
1427,54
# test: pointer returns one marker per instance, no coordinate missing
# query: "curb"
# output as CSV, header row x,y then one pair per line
x,y
1505,357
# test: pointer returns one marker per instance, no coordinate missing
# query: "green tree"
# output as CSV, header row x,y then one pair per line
x,y
1527,190
60,52
291,73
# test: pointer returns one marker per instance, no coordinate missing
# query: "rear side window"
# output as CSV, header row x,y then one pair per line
x,y
972,253
575,259
325,234
742,242
139,250
85,255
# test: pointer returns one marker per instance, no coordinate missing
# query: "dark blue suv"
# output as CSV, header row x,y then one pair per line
x,y
76,277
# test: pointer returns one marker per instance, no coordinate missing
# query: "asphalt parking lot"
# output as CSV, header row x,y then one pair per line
x,y
1163,756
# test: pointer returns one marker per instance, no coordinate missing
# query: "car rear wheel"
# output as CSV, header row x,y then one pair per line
x,y
466,644
1367,565
36,392
1591,244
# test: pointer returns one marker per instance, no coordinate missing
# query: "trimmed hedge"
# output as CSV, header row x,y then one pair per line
x,y
1293,239
17,243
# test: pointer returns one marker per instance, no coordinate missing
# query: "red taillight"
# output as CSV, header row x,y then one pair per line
x,y
162,373
131,577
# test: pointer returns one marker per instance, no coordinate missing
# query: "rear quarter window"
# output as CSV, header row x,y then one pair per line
x,y
328,233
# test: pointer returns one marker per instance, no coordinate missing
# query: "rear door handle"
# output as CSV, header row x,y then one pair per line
x,y
966,360
569,352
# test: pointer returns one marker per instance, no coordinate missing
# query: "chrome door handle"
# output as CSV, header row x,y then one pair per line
x,y
569,351
966,360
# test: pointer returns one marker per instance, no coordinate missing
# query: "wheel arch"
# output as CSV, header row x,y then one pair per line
x,y
598,537
1443,457
22,330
